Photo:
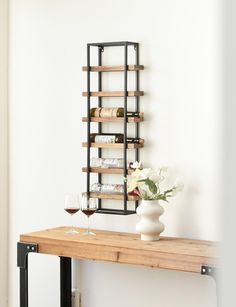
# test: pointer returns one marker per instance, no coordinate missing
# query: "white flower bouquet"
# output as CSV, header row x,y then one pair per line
x,y
146,183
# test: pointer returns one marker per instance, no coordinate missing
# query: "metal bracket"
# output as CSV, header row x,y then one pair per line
x,y
208,270
23,249
212,272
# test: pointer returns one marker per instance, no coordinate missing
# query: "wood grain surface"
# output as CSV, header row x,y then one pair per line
x,y
102,170
113,119
112,196
113,68
168,253
113,94
113,145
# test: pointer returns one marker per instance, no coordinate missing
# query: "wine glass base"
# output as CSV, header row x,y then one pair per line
x,y
72,232
89,233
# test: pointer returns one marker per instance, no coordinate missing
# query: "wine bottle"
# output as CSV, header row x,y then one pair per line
x,y
107,162
112,138
112,112
107,188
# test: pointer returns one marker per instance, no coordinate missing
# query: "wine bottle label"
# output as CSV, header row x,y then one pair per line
x,y
105,139
96,162
97,112
96,187
112,163
107,162
112,188
114,112
133,114
133,140
108,112
107,188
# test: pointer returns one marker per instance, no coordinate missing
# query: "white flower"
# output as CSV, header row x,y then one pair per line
x,y
150,189
155,177
132,185
145,173
145,191
136,174
164,168
178,185
160,178
136,164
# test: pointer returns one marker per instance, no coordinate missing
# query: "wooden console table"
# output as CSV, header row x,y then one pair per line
x,y
178,254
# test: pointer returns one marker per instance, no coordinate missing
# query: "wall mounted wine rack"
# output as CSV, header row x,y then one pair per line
x,y
125,120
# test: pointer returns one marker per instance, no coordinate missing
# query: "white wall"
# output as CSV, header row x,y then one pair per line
x,y
180,48
3,151
228,250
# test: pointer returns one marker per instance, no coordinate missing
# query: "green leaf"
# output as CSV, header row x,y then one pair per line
x,y
141,180
162,197
151,185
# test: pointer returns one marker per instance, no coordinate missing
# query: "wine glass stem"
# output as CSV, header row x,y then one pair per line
x,y
72,227
88,225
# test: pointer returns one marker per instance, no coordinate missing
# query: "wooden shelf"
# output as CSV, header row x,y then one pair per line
x,y
113,68
102,170
112,145
114,94
113,119
126,248
112,196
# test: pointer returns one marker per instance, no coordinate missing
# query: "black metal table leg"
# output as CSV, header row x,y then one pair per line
x,y
23,249
24,285
212,272
65,281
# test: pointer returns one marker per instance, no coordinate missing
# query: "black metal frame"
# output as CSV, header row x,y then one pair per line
x,y
101,47
65,282
23,249
100,50
209,271
212,272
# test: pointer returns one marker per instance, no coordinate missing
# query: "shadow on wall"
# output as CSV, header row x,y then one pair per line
x,y
189,224
136,290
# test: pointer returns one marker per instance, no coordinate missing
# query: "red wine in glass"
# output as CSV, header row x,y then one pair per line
x,y
88,207
71,210
72,206
89,211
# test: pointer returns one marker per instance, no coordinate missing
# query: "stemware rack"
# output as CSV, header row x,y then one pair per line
x,y
125,120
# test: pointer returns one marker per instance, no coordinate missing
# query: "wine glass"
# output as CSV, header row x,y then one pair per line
x,y
71,206
88,207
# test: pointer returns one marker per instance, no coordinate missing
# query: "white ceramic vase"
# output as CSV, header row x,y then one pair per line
x,y
149,225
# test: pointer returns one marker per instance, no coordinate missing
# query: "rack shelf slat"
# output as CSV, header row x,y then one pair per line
x,y
113,119
113,94
113,68
112,145
101,170
112,196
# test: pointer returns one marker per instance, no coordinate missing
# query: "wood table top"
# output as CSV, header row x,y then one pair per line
x,y
168,253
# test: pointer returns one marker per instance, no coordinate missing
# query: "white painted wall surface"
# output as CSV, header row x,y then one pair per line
x,y
228,249
180,46
3,152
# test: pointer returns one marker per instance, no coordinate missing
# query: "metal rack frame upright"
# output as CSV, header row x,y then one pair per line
x,y
101,47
